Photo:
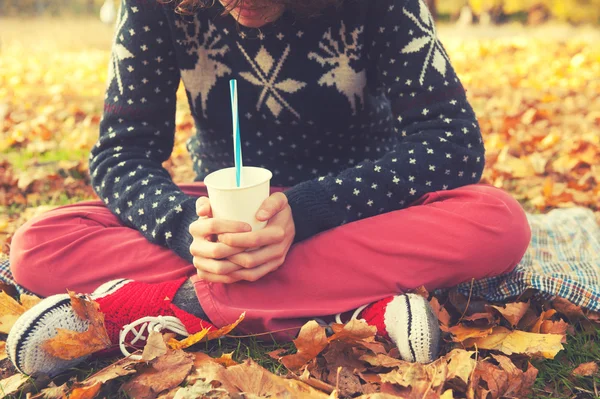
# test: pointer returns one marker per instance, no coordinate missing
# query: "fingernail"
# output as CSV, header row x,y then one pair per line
x,y
262,214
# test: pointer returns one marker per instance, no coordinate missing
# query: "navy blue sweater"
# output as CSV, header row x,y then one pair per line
x,y
358,111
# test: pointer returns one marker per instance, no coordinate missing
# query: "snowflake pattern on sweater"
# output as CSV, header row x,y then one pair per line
x,y
358,112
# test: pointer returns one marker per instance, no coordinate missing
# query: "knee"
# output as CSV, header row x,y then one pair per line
x,y
506,236
27,263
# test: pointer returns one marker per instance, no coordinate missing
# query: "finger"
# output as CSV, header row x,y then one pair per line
x,y
213,266
213,250
203,207
209,226
268,236
258,272
215,278
271,206
252,259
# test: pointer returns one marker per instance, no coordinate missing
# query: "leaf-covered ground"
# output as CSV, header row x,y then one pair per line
x,y
537,96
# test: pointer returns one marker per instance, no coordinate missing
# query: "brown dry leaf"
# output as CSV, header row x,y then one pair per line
x,y
3,354
461,333
10,310
314,382
250,378
29,301
423,381
11,385
85,392
155,347
311,341
223,331
200,389
381,360
460,365
586,369
440,311
69,345
53,392
513,312
448,394
354,330
544,316
555,327
509,342
495,378
204,334
226,360
188,341
572,311
162,374
205,368
90,387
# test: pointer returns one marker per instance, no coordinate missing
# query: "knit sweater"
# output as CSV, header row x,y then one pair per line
x,y
357,111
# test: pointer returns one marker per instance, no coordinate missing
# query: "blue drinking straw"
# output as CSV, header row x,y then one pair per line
x,y
237,147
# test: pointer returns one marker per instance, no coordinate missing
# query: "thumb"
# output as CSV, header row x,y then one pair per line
x,y
271,206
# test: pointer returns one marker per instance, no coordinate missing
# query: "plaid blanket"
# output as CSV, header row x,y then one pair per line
x,y
6,276
563,259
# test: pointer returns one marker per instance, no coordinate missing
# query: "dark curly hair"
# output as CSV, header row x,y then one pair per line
x,y
303,8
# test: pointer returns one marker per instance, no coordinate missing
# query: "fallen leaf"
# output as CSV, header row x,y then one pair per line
x,y
440,311
223,331
207,369
226,360
11,385
460,365
29,301
381,360
53,392
353,331
461,333
204,334
90,387
555,327
162,374
311,340
200,389
10,310
545,315
315,383
513,312
70,345
586,369
572,311
496,380
448,394
155,347
509,342
249,377
3,354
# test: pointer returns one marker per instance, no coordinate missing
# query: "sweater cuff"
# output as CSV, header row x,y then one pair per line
x,y
311,210
182,237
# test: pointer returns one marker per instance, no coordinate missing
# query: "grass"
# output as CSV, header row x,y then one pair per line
x,y
555,379
22,160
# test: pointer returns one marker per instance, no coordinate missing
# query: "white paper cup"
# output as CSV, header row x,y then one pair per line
x,y
230,202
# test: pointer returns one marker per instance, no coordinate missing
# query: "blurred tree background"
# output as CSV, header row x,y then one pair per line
x,y
488,11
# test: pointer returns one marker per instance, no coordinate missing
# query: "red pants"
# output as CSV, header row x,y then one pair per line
x,y
444,238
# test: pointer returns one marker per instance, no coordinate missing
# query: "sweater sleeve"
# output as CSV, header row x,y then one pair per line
x,y
137,131
437,142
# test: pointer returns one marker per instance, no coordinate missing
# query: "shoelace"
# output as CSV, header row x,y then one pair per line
x,y
150,324
338,318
